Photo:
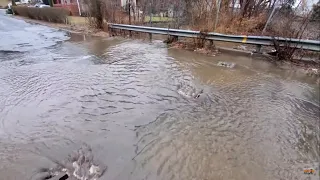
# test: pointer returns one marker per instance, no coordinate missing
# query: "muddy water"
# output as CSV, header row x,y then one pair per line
x,y
120,97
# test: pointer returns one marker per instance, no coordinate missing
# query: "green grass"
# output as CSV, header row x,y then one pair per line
x,y
158,19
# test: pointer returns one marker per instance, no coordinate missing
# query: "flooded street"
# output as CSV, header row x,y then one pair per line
x,y
121,97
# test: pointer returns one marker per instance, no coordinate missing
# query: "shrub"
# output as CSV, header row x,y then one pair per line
x,y
56,15
95,12
316,12
241,25
288,28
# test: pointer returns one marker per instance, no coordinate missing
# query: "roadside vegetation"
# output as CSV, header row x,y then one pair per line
x,y
55,15
316,12
275,18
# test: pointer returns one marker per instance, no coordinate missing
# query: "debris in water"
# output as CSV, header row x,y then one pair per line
x,y
226,64
241,47
79,165
189,91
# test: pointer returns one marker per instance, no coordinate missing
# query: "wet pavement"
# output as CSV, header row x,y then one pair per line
x,y
122,98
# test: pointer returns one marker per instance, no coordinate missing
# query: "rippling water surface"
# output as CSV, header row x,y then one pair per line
x,y
255,121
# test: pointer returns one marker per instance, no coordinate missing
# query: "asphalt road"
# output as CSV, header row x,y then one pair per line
x,y
17,35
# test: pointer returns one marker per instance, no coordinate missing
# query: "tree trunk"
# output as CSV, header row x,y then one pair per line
x,y
13,2
98,15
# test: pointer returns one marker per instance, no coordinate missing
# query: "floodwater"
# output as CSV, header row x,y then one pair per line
x,y
120,97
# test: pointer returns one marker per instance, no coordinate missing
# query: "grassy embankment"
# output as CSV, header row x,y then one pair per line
x,y
3,3
157,19
57,18
76,20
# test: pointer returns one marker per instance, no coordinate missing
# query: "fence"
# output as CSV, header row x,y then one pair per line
x,y
72,8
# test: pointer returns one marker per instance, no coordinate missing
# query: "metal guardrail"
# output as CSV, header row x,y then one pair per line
x,y
256,40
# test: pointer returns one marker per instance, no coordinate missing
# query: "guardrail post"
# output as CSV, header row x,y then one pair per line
x,y
258,49
211,43
175,38
150,36
110,30
170,39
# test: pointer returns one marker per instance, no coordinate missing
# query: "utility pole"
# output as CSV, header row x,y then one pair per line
x,y
150,9
269,19
78,7
129,9
217,15
13,3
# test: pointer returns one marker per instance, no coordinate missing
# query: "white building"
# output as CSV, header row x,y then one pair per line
x,y
24,1
124,2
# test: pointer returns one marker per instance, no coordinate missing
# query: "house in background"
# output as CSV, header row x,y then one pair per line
x,y
135,10
72,5
125,2
78,7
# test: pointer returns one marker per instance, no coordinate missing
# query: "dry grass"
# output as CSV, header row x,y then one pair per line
x,y
117,16
3,3
245,26
55,15
228,24
157,19
77,20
